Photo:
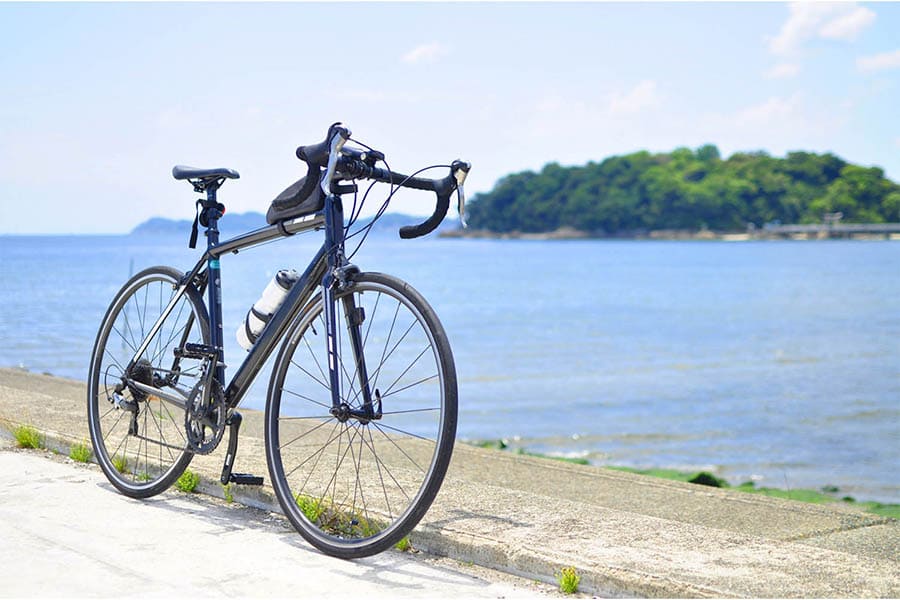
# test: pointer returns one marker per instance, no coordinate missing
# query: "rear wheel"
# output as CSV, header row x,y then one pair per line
x,y
138,438
354,486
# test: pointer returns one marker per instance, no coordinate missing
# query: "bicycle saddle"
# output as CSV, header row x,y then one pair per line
x,y
183,172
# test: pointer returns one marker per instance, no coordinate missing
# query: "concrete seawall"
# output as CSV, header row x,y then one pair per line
x,y
627,535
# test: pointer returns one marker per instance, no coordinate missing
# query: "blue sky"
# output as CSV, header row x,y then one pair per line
x,y
100,100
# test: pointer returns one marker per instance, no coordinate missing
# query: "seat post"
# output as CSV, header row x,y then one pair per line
x,y
211,215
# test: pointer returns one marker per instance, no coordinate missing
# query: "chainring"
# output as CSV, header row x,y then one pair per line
x,y
204,423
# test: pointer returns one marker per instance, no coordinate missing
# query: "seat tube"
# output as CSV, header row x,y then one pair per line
x,y
214,285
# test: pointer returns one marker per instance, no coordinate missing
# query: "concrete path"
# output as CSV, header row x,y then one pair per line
x,y
65,532
625,534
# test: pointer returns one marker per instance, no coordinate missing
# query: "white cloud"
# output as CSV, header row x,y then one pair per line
x,y
847,26
825,20
370,96
640,98
783,71
425,53
775,109
879,62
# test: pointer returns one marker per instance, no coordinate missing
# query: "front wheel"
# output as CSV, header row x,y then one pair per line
x,y
354,486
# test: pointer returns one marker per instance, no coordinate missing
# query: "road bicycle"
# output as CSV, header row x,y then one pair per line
x,y
361,408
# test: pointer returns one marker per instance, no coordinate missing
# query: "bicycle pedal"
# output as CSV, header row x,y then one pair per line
x,y
245,479
198,351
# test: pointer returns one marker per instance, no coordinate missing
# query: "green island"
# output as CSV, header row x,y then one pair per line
x,y
686,190
826,495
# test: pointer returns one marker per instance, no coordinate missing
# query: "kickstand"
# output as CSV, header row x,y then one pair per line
x,y
234,424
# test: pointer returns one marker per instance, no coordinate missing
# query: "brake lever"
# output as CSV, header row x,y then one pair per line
x,y
460,171
461,206
339,137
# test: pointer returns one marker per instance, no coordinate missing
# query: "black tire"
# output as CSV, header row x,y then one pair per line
x,y
355,488
147,461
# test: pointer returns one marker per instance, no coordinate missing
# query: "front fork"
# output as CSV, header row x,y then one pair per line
x,y
343,409
339,277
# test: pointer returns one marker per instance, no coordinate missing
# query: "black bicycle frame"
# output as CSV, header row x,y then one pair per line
x,y
327,268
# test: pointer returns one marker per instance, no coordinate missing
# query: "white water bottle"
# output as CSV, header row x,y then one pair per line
x,y
263,309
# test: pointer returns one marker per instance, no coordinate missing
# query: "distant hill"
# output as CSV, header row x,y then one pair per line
x,y
230,225
233,224
390,223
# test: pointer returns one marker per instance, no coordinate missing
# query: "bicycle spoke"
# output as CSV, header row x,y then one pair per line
x,y
317,455
387,392
357,460
337,469
387,341
116,362
313,417
408,433
384,359
371,445
302,435
130,345
311,376
316,359
394,349
347,376
371,317
302,397
411,385
402,451
161,348
414,410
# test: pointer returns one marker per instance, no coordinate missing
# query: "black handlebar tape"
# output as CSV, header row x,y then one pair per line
x,y
316,155
414,231
444,188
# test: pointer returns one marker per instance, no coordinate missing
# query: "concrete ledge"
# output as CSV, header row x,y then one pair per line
x,y
627,535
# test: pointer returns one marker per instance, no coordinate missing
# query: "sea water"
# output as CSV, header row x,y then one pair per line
x,y
777,362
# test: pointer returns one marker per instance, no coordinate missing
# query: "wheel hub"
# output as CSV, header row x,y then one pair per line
x,y
342,413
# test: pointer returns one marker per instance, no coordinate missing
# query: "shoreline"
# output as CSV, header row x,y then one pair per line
x,y
659,470
568,233
827,494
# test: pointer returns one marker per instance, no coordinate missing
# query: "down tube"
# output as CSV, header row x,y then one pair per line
x,y
275,329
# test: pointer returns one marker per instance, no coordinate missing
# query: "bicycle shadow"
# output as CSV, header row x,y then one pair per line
x,y
395,569
466,520
391,569
225,517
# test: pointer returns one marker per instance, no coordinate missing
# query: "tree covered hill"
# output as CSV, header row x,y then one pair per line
x,y
686,189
